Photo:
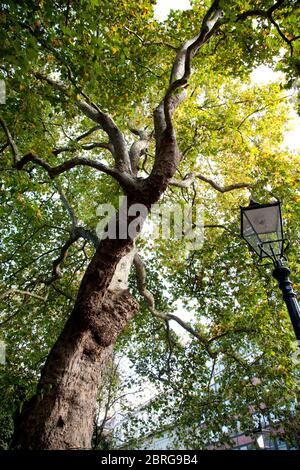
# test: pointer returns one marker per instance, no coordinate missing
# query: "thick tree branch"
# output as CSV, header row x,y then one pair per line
x,y
125,180
138,148
167,155
182,66
106,122
136,151
181,70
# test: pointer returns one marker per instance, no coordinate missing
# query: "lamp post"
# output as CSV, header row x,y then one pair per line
x,y
261,227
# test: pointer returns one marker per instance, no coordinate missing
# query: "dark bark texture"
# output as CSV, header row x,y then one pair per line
x,y
60,415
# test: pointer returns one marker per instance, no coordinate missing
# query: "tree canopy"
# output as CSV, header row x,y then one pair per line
x,y
117,57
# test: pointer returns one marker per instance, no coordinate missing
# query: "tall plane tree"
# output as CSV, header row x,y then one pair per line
x,y
98,68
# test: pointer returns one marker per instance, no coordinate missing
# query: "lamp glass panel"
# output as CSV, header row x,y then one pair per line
x,y
250,235
262,229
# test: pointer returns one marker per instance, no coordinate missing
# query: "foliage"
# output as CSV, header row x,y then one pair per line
x,y
229,130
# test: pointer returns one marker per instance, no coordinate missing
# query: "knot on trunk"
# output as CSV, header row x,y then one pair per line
x,y
117,309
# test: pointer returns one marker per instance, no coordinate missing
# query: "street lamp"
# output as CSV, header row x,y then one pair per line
x,y
259,434
261,227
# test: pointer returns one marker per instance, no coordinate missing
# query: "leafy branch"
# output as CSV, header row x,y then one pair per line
x,y
190,179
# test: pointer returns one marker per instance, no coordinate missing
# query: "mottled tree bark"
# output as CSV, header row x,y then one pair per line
x,y
60,415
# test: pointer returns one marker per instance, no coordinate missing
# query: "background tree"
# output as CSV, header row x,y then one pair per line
x,y
66,65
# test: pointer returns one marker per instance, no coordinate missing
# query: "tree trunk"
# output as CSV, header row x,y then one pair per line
x,y
60,415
